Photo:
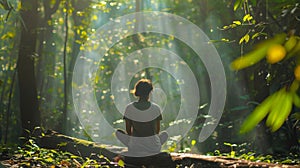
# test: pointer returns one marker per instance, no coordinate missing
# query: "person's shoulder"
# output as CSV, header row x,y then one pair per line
x,y
154,105
157,110
129,106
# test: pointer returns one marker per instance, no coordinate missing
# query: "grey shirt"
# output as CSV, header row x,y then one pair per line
x,y
144,122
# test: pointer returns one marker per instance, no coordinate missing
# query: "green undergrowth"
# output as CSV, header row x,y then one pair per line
x,y
31,155
290,158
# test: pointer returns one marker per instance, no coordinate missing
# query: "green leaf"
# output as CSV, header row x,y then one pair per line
x,y
63,144
255,35
244,97
227,144
26,130
217,153
121,163
9,35
49,160
31,141
54,151
237,4
239,108
204,105
232,154
74,157
253,2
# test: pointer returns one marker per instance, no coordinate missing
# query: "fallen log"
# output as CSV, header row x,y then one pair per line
x,y
84,148
54,140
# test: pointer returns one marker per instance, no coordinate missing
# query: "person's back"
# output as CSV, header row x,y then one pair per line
x,y
142,120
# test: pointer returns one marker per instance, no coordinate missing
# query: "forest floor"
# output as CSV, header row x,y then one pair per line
x,y
56,150
55,159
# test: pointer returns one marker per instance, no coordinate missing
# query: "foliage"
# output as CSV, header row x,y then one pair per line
x,y
279,51
31,155
277,107
235,152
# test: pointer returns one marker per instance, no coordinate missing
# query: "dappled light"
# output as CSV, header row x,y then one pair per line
x,y
224,79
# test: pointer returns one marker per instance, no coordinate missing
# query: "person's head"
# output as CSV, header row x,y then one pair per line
x,y
143,88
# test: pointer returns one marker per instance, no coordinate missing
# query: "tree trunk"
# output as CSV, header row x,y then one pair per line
x,y
70,119
30,115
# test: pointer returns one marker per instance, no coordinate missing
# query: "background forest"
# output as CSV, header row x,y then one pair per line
x,y
41,40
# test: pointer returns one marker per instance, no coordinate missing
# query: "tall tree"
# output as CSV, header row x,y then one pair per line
x,y
30,115
81,23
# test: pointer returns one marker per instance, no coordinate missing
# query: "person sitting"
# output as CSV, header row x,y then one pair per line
x,y
142,119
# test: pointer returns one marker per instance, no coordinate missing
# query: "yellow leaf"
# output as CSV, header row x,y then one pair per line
x,y
232,154
83,33
61,20
49,160
241,40
193,142
52,2
255,35
79,13
97,79
102,3
121,163
237,4
247,37
49,22
4,37
81,47
237,22
244,38
247,17
95,17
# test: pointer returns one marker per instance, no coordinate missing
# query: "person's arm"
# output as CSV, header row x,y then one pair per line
x,y
157,126
128,127
158,121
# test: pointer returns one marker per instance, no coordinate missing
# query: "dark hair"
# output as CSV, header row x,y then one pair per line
x,y
143,88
